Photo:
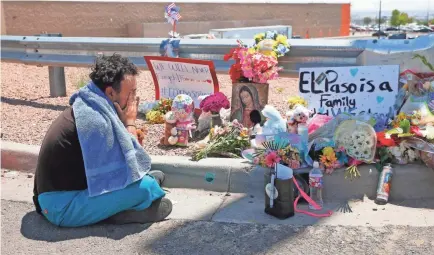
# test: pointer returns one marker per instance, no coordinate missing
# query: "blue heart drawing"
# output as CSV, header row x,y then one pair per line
x,y
380,99
354,71
321,110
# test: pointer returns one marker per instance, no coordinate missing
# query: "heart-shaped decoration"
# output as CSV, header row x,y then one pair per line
x,y
380,99
354,71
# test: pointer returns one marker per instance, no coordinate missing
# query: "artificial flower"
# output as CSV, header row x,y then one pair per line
x,y
271,159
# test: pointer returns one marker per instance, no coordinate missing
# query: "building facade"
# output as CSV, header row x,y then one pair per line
x,y
146,18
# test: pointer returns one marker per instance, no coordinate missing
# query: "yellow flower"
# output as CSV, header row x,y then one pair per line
x,y
282,39
328,151
274,54
275,44
244,133
251,50
259,36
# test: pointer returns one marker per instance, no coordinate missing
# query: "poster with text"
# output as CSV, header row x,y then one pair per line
x,y
174,76
354,90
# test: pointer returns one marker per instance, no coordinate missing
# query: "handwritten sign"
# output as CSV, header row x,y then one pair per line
x,y
174,76
354,90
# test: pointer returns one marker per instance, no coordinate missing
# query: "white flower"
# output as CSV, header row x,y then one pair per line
x,y
395,151
411,155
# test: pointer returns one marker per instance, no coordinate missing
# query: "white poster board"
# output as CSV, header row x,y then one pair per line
x,y
174,76
354,90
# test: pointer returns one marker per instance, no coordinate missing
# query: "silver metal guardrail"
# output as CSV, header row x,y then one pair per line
x,y
81,52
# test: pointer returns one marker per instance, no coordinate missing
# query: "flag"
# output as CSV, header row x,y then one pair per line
x,y
169,7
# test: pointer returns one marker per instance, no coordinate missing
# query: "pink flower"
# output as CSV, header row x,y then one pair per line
x,y
271,159
256,161
214,103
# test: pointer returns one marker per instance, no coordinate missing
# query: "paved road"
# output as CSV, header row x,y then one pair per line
x,y
24,232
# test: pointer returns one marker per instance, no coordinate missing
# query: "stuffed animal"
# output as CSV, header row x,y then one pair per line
x,y
275,123
179,121
299,114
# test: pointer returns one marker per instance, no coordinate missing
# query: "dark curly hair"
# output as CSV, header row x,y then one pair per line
x,y
110,71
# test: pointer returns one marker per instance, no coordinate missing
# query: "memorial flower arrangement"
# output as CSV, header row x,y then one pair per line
x,y
275,152
258,63
214,103
156,115
272,44
229,141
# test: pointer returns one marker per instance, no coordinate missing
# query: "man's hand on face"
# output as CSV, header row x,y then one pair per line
x,y
128,115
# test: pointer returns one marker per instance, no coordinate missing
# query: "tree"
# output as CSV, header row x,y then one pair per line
x,y
367,20
394,20
403,19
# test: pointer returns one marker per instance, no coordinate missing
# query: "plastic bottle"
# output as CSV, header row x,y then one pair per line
x,y
316,185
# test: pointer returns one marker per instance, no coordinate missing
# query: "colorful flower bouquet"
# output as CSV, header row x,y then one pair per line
x,y
272,44
156,115
229,141
258,63
277,152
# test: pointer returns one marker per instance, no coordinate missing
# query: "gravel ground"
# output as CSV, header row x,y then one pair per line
x,y
27,110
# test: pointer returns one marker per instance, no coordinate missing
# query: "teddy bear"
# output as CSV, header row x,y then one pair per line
x,y
275,123
298,114
179,121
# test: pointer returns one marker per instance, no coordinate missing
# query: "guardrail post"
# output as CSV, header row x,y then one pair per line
x,y
56,76
57,81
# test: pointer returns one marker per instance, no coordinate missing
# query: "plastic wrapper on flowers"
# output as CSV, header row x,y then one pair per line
x,y
358,139
328,129
228,141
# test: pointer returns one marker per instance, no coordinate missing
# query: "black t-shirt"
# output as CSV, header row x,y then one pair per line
x,y
60,164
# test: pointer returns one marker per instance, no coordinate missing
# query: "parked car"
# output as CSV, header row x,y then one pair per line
x,y
392,29
380,33
398,36
424,30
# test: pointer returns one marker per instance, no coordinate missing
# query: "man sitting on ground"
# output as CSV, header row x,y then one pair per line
x,y
91,167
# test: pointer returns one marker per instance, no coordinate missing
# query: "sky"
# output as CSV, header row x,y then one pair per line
x,y
402,5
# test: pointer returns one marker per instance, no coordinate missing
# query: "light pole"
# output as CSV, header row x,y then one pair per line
x,y
379,22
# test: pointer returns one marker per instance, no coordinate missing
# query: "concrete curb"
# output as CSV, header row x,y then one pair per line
x,y
213,174
237,176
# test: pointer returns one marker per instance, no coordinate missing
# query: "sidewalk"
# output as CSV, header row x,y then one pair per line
x,y
206,222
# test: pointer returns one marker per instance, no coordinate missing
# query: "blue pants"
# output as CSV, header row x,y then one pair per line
x,y
76,208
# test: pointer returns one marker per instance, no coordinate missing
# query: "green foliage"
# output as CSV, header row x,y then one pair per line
x,y
399,18
82,82
367,20
424,61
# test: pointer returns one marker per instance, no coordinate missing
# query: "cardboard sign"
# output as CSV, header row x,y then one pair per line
x,y
354,90
174,76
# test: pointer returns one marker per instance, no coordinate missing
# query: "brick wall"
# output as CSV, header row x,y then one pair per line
x,y
113,19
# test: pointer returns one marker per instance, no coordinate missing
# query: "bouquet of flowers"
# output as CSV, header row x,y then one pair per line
x,y
272,44
156,115
214,103
229,140
277,152
251,65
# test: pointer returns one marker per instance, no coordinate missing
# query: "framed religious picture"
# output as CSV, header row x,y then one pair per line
x,y
248,99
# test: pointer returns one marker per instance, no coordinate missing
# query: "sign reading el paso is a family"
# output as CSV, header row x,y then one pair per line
x,y
354,90
174,76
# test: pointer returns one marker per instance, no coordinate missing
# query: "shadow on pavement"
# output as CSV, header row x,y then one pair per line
x,y
14,101
35,227
204,237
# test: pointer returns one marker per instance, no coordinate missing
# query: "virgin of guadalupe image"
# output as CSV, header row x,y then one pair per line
x,y
248,102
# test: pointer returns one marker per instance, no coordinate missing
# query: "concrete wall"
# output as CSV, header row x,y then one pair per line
x,y
121,19
3,20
